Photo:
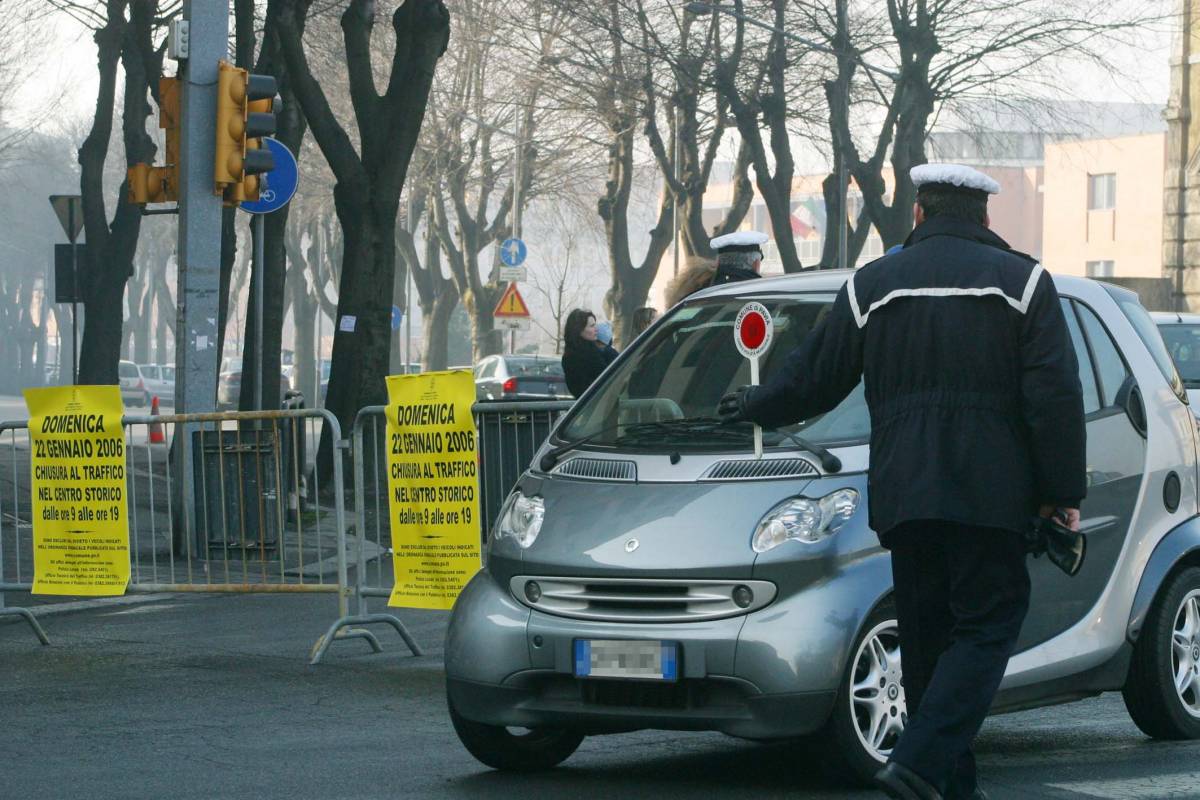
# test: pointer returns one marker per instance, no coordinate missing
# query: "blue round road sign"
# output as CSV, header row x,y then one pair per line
x,y
397,316
281,181
513,252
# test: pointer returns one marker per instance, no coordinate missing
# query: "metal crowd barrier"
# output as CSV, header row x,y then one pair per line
x,y
509,433
259,521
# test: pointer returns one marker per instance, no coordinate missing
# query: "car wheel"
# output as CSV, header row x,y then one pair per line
x,y
869,713
1162,692
503,748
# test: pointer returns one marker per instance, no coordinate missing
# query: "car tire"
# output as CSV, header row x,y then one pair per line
x,y
850,757
1167,654
499,748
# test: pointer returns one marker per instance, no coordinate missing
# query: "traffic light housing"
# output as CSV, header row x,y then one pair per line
x,y
245,113
150,184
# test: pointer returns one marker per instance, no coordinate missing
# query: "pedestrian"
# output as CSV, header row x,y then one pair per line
x,y
643,318
691,280
976,426
582,360
604,339
739,258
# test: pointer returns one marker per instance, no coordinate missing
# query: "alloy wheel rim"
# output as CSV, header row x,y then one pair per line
x,y
1185,653
877,700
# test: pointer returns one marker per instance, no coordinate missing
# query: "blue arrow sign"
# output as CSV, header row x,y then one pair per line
x,y
513,252
397,317
281,181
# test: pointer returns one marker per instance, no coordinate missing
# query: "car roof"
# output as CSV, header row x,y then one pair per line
x,y
832,280
1175,317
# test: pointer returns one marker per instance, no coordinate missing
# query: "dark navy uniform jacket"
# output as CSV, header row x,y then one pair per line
x,y
970,376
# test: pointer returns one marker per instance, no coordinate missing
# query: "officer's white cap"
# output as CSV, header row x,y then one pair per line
x,y
953,175
740,239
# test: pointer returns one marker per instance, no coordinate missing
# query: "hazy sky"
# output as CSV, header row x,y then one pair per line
x,y
1144,72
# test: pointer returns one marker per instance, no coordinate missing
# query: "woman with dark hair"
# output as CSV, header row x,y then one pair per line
x,y
582,360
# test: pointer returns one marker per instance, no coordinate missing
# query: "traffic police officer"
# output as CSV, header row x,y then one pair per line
x,y
976,425
739,256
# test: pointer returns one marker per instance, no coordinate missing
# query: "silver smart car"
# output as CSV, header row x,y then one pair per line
x,y
649,572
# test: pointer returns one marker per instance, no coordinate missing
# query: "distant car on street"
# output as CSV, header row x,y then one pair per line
x,y
520,378
133,386
229,383
159,382
1181,333
647,571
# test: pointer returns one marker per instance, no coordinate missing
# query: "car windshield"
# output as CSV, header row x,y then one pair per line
x,y
534,367
675,376
127,369
1183,343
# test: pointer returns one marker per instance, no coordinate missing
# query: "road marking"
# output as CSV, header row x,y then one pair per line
x,y
1150,787
103,602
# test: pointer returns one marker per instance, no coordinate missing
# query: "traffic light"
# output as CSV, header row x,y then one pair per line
x,y
150,184
245,113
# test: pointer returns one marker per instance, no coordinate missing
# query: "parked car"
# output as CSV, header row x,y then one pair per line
x,y
229,383
520,378
157,384
1181,332
648,572
133,387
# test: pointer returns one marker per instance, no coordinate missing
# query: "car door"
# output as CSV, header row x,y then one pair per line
x,y
1116,457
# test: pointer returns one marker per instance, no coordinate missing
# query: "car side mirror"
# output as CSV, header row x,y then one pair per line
x,y
1129,397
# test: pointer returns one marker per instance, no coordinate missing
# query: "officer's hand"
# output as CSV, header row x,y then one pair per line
x,y
732,407
1067,517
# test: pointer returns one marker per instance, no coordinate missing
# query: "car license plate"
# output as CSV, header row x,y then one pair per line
x,y
623,658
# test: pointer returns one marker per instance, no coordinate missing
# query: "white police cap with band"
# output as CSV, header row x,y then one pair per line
x,y
953,175
739,241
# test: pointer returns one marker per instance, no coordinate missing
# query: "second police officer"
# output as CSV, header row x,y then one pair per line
x,y
976,425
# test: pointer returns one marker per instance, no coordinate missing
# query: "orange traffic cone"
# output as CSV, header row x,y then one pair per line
x,y
156,428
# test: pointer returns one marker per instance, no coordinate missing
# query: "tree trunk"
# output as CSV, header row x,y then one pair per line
x,y
435,325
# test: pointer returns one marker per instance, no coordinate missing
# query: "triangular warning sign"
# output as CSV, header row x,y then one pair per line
x,y
511,304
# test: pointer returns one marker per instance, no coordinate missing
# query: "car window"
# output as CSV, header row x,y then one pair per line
x,y
1183,345
127,369
1107,358
534,367
682,367
168,373
1087,374
487,368
148,371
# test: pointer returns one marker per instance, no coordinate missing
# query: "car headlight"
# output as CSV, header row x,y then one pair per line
x,y
521,519
804,520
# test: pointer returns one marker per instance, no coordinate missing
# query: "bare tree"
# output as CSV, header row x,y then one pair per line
x,y
941,54
112,244
369,177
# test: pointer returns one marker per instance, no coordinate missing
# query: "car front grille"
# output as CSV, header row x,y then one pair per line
x,y
598,469
767,468
641,599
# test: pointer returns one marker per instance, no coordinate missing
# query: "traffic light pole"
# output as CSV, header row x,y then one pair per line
x,y
196,354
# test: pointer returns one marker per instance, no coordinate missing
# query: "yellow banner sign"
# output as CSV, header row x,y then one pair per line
x,y
433,494
77,465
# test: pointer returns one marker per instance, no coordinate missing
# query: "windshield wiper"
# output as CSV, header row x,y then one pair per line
x,y
707,425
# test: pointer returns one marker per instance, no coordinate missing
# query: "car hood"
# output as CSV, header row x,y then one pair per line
x,y
650,529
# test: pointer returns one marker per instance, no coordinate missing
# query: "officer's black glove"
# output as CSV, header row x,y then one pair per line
x,y
732,407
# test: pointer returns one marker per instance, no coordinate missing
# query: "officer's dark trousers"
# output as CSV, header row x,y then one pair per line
x,y
961,594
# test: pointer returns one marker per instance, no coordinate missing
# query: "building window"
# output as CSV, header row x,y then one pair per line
x,y
1102,191
1100,269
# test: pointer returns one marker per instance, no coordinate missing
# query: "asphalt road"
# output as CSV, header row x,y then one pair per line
x,y
211,697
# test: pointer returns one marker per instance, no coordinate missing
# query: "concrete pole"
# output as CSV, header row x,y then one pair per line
x,y
196,356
